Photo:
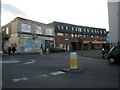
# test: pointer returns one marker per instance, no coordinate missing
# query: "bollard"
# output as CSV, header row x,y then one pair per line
x,y
47,51
73,61
41,52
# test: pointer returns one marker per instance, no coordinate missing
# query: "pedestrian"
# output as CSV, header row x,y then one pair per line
x,y
9,50
13,50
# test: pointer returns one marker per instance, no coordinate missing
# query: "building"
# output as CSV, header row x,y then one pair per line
x,y
76,37
114,21
27,36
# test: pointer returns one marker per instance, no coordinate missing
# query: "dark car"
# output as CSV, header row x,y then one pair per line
x,y
114,55
57,49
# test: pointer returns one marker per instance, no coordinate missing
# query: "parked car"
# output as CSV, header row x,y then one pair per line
x,y
57,49
114,55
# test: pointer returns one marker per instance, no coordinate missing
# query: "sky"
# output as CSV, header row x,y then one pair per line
x,y
92,13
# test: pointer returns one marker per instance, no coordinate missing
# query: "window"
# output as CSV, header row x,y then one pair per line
x,y
7,30
97,36
84,30
80,29
62,27
92,31
76,29
87,30
59,34
104,32
58,26
95,31
72,28
78,35
101,31
75,35
66,27
84,35
72,35
3,29
66,34
92,36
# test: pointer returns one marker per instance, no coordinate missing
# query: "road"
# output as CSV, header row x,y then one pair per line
x,y
43,71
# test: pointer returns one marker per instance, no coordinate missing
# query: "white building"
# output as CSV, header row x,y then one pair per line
x,y
114,21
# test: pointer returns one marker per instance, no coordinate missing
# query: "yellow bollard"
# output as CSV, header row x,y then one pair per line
x,y
41,52
73,61
47,51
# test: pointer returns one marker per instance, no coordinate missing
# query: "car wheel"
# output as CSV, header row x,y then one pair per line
x,y
111,60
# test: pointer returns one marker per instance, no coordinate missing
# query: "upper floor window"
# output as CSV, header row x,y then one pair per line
x,y
80,29
58,26
95,31
72,28
3,29
104,32
66,27
76,29
92,31
87,30
101,31
84,30
62,27
7,30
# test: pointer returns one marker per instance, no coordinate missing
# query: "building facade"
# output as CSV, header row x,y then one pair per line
x,y
75,37
27,36
114,21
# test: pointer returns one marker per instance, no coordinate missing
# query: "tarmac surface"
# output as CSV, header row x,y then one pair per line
x,y
44,71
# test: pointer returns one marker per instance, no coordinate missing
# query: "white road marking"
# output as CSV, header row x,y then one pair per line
x,y
16,80
57,73
30,62
9,61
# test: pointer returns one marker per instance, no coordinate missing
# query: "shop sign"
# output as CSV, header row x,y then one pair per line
x,y
26,28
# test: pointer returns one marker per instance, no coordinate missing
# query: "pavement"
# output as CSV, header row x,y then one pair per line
x,y
85,53
92,53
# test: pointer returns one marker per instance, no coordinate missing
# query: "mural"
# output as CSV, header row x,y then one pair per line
x,y
29,45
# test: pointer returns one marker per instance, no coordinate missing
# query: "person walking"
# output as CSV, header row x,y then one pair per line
x,y
9,50
13,50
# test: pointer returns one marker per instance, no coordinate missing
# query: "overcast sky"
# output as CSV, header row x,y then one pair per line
x,y
93,13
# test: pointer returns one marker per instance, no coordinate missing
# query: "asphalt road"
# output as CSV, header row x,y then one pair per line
x,y
43,71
